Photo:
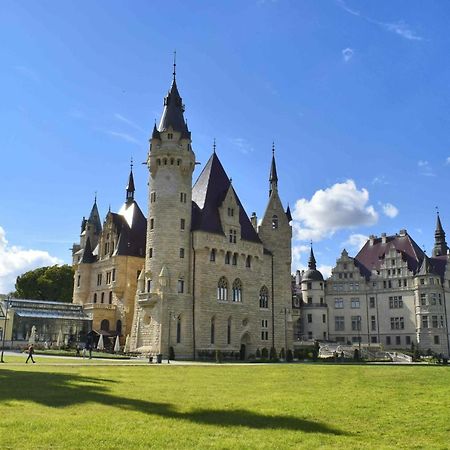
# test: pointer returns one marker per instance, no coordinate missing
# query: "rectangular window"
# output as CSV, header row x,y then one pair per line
x,y
150,252
114,275
373,339
324,318
183,197
423,299
388,340
212,255
398,340
373,323
78,280
355,303
434,321
433,298
99,279
408,340
309,301
424,321
309,318
436,340
230,212
356,323
182,224
152,224
264,330
153,197
181,252
108,277
338,303
149,285
339,323
180,286
372,302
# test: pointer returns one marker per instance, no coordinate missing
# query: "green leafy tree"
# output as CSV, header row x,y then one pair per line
x,y
46,283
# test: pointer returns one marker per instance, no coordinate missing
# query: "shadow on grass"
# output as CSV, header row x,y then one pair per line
x,y
61,390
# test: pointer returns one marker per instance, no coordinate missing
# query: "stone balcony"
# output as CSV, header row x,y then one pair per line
x,y
148,299
103,306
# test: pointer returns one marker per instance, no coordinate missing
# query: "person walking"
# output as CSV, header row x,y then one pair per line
x,y
30,354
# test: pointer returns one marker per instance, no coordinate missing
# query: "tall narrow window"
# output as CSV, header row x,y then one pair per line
x,y
229,331
78,280
180,286
212,255
152,223
150,252
178,329
110,297
248,261
95,298
237,290
114,275
213,330
222,289
103,297
181,252
264,297
182,224
274,222
149,285
227,257
234,259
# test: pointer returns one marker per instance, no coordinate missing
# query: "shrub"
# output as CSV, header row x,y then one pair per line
x,y
273,354
264,353
282,353
218,356
258,354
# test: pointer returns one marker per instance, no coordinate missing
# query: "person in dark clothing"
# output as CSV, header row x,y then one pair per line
x,y
30,354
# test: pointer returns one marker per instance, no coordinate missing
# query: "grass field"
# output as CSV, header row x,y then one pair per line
x,y
224,406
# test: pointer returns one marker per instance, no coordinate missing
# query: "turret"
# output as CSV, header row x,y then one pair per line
x,y
130,185
440,245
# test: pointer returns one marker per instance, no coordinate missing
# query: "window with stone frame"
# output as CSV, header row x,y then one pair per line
x,y
222,289
339,323
227,257
264,330
237,290
264,297
248,261
212,255
274,222
234,259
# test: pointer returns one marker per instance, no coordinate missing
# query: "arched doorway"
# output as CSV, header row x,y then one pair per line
x,y
243,351
104,325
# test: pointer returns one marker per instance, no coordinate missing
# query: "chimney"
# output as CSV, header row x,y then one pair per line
x,y
372,238
254,221
403,232
383,238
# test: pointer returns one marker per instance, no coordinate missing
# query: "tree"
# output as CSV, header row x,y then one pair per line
x,y
46,283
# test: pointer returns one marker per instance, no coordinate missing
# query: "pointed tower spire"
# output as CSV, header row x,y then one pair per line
x,y
273,178
440,245
312,260
130,186
94,217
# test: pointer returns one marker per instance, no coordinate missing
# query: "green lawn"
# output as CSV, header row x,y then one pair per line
x,y
224,406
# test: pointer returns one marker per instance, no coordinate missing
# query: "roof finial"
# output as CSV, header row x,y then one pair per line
x,y
131,164
95,197
231,180
437,209
174,64
214,145
273,148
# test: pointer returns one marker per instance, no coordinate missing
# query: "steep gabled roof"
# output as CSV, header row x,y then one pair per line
x,y
88,257
371,256
208,193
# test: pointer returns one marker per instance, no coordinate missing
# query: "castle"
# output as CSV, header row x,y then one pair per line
x,y
199,275
209,279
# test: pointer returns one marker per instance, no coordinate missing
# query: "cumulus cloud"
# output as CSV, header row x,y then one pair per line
x,y
355,242
390,210
347,54
15,261
340,206
297,251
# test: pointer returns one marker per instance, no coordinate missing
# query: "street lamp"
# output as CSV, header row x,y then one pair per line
x,y
4,329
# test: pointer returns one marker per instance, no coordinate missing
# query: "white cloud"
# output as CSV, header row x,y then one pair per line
x,y
128,122
297,251
355,242
447,161
242,145
340,206
347,54
15,261
400,28
425,169
390,210
124,136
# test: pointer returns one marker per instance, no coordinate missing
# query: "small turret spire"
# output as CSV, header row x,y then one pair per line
x,y
130,186
273,178
312,260
174,64
440,245
214,146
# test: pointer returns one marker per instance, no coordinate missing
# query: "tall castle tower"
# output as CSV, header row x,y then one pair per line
x,y
276,235
165,285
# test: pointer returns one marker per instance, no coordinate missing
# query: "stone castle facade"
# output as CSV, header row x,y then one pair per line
x,y
199,275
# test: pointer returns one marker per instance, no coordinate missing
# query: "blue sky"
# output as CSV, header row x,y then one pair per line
x,y
355,95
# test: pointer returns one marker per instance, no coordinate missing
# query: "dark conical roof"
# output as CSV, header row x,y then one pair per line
x,y
288,214
208,193
440,244
94,218
130,187
312,274
312,261
172,115
273,170
88,256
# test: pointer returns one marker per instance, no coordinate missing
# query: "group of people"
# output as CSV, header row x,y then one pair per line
x,y
87,349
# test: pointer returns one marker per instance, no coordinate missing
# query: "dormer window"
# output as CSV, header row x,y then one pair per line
x,y
274,222
230,212
169,135
232,236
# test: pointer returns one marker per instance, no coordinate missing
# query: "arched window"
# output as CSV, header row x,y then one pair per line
x,y
234,260
165,161
227,257
212,255
264,297
213,330
119,327
172,161
104,325
110,297
95,298
237,290
103,297
149,285
222,289
274,222
178,329
229,331
248,261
